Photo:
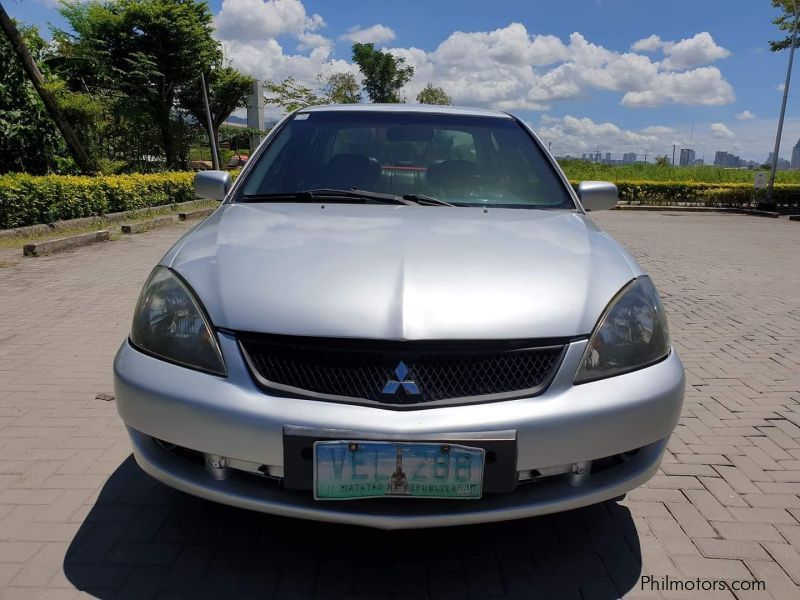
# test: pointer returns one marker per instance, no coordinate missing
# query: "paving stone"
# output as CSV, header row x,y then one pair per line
x,y
709,506
747,531
711,568
723,492
692,521
762,515
778,584
738,549
78,518
772,500
787,557
738,480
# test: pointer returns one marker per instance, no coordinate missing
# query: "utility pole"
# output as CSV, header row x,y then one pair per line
x,y
768,201
673,155
212,138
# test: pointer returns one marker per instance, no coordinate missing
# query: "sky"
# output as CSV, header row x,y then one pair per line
x,y
609,75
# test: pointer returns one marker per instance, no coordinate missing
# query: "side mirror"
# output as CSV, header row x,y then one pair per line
x,y
213,185
598,195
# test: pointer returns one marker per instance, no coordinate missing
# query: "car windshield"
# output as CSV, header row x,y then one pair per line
x,y
463,160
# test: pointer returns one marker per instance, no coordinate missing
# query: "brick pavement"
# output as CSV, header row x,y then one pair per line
x,y
78,517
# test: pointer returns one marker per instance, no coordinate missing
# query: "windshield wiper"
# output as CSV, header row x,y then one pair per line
x,y
426,200
346,195
326,194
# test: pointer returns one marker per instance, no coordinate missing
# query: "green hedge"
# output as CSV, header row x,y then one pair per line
x,y
702,194
28,200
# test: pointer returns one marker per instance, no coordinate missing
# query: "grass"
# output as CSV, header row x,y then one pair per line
x,y
100,223
581,170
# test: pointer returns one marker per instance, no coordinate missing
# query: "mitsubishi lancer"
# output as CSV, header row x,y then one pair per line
x,y
400,316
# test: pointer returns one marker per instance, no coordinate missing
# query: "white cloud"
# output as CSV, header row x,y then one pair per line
x,y
780,87
648,44
508,68
698,50
658,130
704,86
511,69
720,131
496,68
309,41
745,116
748,139
249,32
268,61
751,142
375,34
511,45
262,20
571,134
693,52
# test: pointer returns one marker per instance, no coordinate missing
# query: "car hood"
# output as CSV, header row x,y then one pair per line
x,y
402,272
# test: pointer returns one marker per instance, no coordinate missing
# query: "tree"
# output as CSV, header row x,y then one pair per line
x,y
147,50
340,88
433,95
785,22
291,96
384,74
228,90
26,60
662,161
29,139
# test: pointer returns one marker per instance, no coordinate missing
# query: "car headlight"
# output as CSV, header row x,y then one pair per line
x,y
170,324
631,334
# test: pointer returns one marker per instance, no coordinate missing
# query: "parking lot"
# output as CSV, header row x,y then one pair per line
x,y
78,516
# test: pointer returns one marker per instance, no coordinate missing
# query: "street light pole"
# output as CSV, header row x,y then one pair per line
x,y
769,200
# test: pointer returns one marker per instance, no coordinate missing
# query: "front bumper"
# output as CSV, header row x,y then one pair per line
x,y
231,417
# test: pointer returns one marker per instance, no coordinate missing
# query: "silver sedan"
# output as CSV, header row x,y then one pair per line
x,y
400,316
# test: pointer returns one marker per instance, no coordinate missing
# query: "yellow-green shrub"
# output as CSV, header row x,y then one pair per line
x,y
27,199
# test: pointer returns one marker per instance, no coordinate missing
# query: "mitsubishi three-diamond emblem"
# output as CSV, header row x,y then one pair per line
x,y
401,387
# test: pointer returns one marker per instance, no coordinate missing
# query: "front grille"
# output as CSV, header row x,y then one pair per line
x,y
400,373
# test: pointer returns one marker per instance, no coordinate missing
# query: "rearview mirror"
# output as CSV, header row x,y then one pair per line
x,y
598,195
213,185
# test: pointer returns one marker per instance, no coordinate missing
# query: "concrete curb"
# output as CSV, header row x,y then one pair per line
x,y
45,228
699,209
143,226
65,243
196,214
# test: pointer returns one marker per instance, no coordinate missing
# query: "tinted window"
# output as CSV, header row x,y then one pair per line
x,y
464,160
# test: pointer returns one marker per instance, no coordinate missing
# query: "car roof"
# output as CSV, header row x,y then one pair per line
x,y
407,108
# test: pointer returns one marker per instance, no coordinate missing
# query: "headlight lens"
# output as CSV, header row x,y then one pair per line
x,y
631,334
169,323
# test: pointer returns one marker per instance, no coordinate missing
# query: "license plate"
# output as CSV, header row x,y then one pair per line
x,y
348,470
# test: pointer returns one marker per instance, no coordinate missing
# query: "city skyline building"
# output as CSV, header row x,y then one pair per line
x,y
795,162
